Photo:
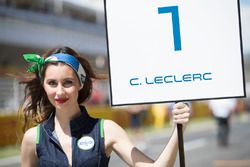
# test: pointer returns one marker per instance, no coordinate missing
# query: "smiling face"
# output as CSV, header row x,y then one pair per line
x,y
61,85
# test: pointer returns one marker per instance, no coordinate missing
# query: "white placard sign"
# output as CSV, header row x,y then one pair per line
x,y
174,50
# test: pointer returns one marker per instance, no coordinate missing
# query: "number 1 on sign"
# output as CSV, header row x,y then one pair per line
x,y
175,22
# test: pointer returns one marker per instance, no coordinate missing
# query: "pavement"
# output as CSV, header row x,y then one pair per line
x,y
10,161
200,144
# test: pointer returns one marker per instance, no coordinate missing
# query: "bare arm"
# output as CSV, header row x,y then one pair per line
x,y
28,149
181,114
117,140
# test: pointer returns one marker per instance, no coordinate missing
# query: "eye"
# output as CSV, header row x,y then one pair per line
x,y
52,83
67,83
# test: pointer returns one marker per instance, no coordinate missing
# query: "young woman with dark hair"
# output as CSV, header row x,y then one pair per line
x,y
59,84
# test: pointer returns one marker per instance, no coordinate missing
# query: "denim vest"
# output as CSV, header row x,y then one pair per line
x,y
88,148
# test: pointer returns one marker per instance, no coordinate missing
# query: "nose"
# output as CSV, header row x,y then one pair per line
x,y
60,90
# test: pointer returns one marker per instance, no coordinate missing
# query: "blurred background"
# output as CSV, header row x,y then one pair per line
x,y
34,26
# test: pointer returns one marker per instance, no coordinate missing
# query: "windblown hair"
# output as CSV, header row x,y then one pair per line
x,y
36,103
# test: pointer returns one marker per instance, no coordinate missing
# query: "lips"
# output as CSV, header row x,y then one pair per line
x,y
61,101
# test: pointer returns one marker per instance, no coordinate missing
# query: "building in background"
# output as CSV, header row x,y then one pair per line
x,y
34,26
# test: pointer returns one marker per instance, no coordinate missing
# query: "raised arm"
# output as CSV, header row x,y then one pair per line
x,y
117,140
180,115
28,149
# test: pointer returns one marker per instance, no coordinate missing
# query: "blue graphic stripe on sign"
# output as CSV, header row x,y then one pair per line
x,y
176,24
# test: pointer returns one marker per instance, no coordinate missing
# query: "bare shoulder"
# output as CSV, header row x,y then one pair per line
x,y
115,136
109,123
29,138
113,131
28,148
111,126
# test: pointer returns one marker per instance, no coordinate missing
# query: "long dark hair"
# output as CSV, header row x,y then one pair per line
x,y
37,106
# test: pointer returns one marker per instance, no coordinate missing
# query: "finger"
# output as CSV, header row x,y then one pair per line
x,y
181,116
179,105
181,121
185,109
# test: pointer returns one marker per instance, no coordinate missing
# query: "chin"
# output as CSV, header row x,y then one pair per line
x,y
60,106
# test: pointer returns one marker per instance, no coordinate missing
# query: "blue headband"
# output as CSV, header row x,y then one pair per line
x,y
72,62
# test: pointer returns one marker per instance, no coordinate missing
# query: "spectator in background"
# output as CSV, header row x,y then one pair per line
x,y
222,110
137,114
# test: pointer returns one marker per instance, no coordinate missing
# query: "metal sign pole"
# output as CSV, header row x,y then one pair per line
x,y
181,145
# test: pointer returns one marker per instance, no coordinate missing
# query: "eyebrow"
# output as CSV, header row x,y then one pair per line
x,y
70,78
67,78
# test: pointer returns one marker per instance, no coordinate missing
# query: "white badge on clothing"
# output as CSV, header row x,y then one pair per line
x,y
86,143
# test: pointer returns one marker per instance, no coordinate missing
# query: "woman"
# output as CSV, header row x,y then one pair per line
x,y
67,135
